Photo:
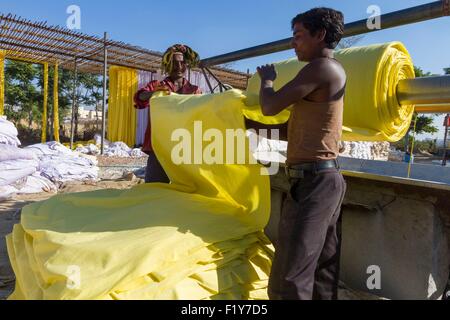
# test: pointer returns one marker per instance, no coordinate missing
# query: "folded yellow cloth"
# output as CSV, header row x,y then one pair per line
x,y
197,238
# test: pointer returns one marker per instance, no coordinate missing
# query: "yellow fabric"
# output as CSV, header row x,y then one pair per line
x,y
55,104
2,82
123,84
197,238
79,144
44,109
371,110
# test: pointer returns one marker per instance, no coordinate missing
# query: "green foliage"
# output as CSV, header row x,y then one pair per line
x,y
420,73
419,146
21,95
24,92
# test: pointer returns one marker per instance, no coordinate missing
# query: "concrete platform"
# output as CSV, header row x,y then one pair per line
x,y
400,225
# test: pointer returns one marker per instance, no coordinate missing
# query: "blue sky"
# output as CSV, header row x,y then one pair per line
x,y
217,27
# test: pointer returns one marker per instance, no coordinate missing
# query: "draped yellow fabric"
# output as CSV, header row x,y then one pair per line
x,y
197,238
371,110
44,109
123,84
56,104
2,82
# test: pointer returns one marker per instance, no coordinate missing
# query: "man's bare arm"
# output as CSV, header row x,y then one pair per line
x,y
145,95
309,79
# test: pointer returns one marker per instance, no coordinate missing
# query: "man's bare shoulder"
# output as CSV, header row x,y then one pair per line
x,y
327,64
327,70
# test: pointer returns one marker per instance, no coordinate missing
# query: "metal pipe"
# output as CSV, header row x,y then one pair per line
x,y
105,70
219,83
433,108
444,158
426,90
207,80
74,103
420,13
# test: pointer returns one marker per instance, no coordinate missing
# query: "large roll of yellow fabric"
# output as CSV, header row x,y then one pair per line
x,y
371,110
123,84
197,238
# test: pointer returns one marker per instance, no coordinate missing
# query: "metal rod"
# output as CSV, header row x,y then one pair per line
x,y
105,70
444,159
207,80
411,152
423,12
433,108
219,83
426,90
74,102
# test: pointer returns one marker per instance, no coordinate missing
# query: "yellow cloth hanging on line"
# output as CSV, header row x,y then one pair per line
x,y
371,109
2,82
56,103
197,238
45,105
123,84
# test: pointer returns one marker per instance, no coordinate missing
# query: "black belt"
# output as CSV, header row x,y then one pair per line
x,y
297,171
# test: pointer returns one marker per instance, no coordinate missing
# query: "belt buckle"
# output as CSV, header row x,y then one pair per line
x,y
299,174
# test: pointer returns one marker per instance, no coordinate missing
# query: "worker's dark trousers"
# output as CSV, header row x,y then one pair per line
x,y
154,171
306,262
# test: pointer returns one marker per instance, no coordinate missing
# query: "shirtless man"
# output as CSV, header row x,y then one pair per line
x,y
306,263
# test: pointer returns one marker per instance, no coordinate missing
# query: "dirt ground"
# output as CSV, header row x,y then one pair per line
x,y
116,161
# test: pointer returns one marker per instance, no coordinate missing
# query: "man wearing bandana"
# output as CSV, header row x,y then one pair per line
x,y
175,61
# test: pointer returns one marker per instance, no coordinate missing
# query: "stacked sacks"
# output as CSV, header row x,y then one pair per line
x,y
38,168
59,164
112,149
267,150
8,132
16,165
371,109
197,238
366,150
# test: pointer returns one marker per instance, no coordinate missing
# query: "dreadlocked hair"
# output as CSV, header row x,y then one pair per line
x,y
191,57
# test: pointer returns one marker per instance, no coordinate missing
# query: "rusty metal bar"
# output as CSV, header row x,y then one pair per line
x,y
423,12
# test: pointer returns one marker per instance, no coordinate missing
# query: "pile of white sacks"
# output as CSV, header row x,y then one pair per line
x,y
271,150
38,168
112,149
267,150
366,150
